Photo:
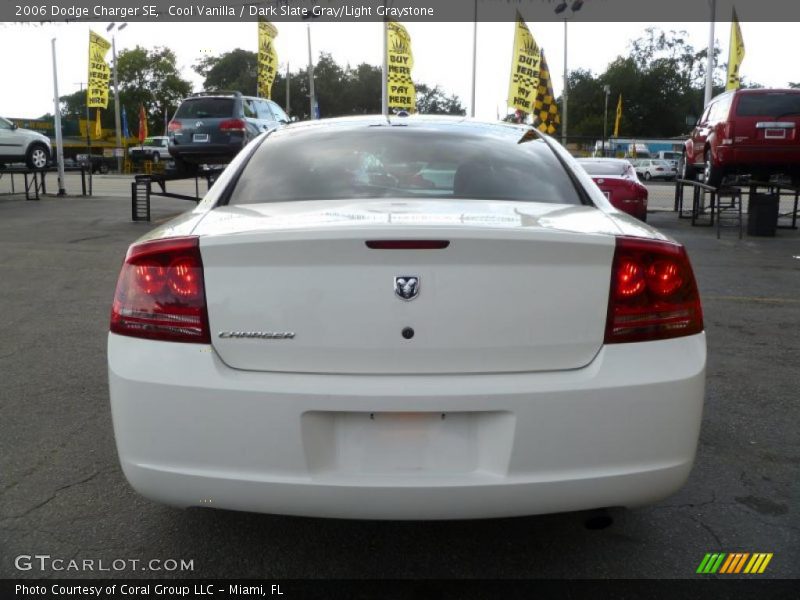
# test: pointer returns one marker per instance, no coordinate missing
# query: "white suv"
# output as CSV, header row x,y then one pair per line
x,y
17,145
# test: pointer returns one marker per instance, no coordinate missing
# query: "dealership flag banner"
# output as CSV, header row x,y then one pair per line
x,y
142,124
619,116
99,72
400,88
525,67
545,107
735,54
267,58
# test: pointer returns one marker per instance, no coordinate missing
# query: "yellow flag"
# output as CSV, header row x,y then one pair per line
x,y
98,128
545,107
525,63
267,58
99,72
619,116
402,94
735,54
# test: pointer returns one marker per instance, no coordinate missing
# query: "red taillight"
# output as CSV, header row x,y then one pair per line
x,y
729,130
174,125
233,125
653,293
160,293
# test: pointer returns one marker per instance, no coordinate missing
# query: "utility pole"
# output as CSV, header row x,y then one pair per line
x,y
311,97
118,148
607,90
385,71
710,57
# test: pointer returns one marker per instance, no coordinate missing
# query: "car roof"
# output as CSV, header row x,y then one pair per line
x,y
441,122
600,159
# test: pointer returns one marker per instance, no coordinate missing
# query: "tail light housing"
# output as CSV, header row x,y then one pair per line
x,y
231,125
729,131
161,293
653,293
174,126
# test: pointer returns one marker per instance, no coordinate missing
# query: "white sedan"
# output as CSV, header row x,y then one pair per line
x,y
406,318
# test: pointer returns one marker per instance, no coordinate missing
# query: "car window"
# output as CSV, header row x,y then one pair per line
x,y
263,110
205,108
604,168
403,162
249,108
768,105
4,124
706,114
278,112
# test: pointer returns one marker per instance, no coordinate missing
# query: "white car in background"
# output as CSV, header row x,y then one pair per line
x,y
333,332
652,168
23,145
154,149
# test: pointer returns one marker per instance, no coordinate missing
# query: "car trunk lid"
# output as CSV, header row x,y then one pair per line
x,y
298,289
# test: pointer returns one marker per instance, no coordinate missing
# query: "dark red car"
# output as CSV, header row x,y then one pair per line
x,y
755,132
617,179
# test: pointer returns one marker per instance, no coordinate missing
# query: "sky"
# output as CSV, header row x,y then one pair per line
x,y
442,53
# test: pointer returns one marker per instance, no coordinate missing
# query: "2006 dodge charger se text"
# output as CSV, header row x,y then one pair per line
x,y
406,318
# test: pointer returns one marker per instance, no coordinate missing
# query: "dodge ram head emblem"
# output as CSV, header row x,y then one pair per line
x,y
406,287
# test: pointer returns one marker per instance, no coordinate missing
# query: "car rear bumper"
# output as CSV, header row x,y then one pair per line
x,y
205,153
622,431
741,157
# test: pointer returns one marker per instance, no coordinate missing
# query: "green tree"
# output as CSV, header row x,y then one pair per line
x,y
340,90
433,101
150,78
234,70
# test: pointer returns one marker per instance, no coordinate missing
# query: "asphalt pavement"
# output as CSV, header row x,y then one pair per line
x,y
63,494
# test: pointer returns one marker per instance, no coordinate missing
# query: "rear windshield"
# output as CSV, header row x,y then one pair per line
x,y
208,108
768,105
405,162
604,168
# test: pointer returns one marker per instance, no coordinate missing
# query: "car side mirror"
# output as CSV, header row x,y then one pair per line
x,y
14,126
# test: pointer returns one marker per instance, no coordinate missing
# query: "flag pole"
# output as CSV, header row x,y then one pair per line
x,y
474,60
57,113
710,57
384,79
288,92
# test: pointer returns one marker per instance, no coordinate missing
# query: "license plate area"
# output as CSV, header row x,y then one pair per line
x,y
407,444
775,134
200,137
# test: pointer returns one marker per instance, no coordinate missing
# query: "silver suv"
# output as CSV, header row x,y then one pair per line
x,y
17,145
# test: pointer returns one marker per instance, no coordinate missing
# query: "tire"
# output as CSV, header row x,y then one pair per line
x,y
685,170
37,156
647,176
712,175
103,168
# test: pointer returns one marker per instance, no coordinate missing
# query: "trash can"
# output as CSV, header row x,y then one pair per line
x,y
762,214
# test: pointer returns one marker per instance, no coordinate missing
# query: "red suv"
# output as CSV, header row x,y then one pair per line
x,y
746,131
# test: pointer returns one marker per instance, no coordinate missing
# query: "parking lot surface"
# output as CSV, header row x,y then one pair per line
x,y
62,492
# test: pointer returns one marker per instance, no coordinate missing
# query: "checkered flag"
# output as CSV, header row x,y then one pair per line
x,y
545,107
